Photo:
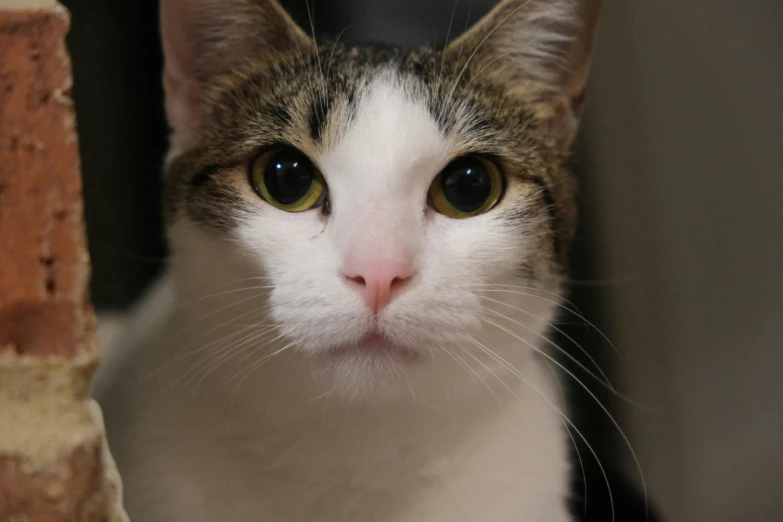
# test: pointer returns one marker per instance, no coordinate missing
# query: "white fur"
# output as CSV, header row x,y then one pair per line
x,y
220,418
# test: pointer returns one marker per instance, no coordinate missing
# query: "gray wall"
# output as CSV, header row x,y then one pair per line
x,y
685,133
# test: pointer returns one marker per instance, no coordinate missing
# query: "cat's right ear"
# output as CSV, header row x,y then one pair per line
x,y
203,39
541,48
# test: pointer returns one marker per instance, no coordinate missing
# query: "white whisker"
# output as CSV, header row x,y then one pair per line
x,y
334,48
446,44
218,354
254,367
560,305
563,417
604,383
311,15
476,50
568,430
601,405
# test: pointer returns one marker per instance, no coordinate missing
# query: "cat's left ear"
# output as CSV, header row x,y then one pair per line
x,y
203,39
541,48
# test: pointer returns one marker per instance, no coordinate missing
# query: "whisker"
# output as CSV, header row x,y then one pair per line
x,y
225,292
250,370
564,418
446,44
595,399
293,37
487,368
576,361
475,377
311,16
211,314
250,354
568,430
558,299
600,282
191,353
413,393
446,101
255,367
483,365
326,402
248,343
216,354
560,305
485,66
334,48
232,320
476,50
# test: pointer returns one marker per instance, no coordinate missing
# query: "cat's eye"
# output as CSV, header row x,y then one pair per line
x,y
288,180
467,187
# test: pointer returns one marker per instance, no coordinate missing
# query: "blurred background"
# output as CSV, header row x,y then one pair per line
x,y
679,257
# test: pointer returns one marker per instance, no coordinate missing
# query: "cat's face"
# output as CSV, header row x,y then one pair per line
x,y
379,195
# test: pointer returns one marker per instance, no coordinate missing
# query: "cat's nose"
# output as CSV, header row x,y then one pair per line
x,y
378,280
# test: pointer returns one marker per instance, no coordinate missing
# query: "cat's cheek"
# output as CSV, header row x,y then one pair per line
x,y
476,250
294,255
280,239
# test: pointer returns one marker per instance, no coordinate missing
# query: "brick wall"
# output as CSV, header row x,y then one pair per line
x,y
54,465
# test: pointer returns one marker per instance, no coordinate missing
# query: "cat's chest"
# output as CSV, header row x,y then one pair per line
x,y
238,492
501,472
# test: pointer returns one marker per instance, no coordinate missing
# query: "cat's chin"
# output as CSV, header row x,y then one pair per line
x,y
374,347
369,368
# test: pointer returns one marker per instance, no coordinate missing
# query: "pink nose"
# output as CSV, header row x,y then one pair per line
x,y
378,280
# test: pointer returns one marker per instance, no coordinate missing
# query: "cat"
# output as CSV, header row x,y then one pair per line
x,y
367,249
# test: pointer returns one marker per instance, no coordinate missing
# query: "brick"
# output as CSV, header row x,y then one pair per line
x,y
67,492
51,465
43,273
54,462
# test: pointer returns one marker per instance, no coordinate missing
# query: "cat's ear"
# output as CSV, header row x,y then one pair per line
x,y
541,46
205,38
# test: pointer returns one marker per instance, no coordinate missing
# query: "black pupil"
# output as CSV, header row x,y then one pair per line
x,y
288,177
467,184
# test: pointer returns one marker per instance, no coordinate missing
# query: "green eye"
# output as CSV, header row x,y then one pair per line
x,y
288,180
467,187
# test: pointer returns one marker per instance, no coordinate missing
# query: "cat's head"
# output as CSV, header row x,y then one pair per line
x,y
380,197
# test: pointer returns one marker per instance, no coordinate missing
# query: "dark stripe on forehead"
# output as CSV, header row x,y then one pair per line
x,y
353,104
279,114
319,110
481,127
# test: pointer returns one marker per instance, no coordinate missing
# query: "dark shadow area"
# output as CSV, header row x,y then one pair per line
x,y
119,100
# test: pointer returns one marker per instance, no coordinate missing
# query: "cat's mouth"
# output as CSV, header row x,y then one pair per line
x,y
375,344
